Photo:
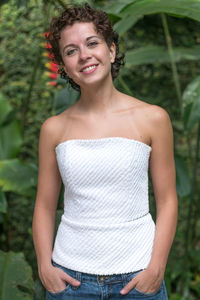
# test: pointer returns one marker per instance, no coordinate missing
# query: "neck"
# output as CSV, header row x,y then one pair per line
x,y
98,100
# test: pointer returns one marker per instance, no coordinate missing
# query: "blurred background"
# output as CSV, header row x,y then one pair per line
x,y
161,40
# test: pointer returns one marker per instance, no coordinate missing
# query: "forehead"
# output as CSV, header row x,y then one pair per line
x,y
77,32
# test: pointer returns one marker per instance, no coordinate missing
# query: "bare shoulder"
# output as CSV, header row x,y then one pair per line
x,y
159,127
157,115
52,127
153,121
153,114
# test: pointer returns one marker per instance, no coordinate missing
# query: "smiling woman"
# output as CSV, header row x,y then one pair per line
x,y
102,29
107,245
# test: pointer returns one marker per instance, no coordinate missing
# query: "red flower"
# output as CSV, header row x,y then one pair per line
x,y
52,83
50,65
48,46
53,67
46,34
50,55
53,75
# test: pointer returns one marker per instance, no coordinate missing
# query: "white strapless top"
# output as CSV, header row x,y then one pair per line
x,y
106,227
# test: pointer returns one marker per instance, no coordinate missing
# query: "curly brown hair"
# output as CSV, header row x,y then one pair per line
x,y
83,13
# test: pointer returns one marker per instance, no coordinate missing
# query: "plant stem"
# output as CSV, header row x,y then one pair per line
x,y
172,60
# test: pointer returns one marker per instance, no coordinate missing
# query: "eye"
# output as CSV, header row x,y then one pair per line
x,y
70,52
93,43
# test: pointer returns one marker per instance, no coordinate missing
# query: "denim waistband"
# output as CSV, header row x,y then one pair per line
x,y
81,276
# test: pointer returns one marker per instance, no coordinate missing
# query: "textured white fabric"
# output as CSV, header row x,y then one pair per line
x,y
106,227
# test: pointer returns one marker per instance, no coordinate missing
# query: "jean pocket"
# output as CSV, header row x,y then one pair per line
x,y
156,293
60,293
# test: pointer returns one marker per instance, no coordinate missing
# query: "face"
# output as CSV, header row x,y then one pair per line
x,y
86,56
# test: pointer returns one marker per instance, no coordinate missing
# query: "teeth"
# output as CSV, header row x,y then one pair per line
x,y
89,68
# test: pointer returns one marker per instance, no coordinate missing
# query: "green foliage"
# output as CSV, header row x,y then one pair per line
x,y
60,99
137,9
182,177
10,134
191,100
18,176
157,54
15,277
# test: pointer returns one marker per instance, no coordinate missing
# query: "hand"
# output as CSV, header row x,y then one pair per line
x,y
147,281
54,279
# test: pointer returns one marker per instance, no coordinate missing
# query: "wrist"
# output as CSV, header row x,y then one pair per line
x,y
44,264
157,269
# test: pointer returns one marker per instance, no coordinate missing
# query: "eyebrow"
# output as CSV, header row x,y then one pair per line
x,y
87,39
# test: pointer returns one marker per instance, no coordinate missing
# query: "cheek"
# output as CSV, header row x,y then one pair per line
x,y
69,66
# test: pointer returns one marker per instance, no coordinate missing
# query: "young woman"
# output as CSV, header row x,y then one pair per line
x,y
107,245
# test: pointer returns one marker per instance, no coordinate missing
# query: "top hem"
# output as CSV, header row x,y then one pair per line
x,y
87,271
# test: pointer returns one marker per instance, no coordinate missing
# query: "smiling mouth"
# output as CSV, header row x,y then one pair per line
x,y
88,69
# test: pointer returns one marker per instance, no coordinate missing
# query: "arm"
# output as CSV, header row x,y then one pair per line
x,y
49,183
163,176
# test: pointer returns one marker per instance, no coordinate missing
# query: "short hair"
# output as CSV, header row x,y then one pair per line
x,y
102,25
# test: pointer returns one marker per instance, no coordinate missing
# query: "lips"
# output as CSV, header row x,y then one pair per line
x,y
89,68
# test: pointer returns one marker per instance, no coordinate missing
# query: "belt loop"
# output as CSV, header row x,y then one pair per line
x,y
124,277
78,276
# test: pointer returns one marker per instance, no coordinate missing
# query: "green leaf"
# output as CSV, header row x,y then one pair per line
x,y
157,54
10,140
16,280
185,8
5,108
139,8
18,176
191,104
3,202
10,133
65,98
124,24
182,177
115,7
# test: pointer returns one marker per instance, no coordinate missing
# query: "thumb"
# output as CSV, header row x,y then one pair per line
x,y
70,280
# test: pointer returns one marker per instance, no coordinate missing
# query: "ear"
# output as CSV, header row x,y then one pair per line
x,y
112,52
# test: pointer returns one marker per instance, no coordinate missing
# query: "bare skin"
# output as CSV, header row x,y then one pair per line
x,y
103,111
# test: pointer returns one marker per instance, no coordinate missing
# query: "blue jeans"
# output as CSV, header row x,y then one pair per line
x,y
98,287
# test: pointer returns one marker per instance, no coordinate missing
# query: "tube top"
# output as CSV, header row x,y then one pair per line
x,y
106,227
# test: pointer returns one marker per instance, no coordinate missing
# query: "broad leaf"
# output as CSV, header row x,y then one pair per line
x,y
157,54
5,108
18,176
115,7
185,8
10,140
191,104
124,24
10,133
182,177
16,281
139,8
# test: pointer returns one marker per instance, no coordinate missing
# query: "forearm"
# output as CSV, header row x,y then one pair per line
x,y
43,234
165,230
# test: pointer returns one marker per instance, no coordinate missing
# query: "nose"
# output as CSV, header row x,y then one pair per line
x,y
84,54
